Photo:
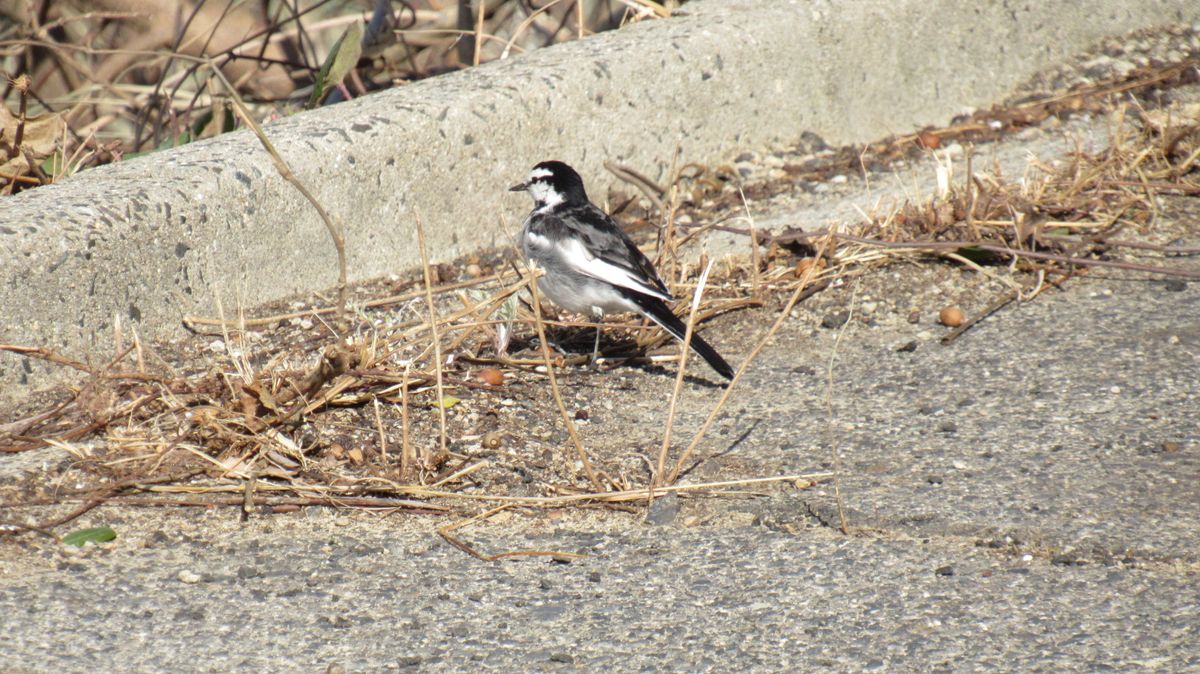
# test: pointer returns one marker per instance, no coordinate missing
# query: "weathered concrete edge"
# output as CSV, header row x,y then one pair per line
x,y
152,239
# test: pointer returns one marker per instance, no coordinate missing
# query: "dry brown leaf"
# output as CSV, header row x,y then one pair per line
x,y
39,138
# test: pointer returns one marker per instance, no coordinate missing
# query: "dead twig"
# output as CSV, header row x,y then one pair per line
x,y
437,341
1030,254
373,503
47,355
336,229
685,348
652,190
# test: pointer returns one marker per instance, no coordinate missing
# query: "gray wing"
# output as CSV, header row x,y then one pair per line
x,y
589,241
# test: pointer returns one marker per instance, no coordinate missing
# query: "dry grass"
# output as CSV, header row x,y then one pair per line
x,y
284,414
90,83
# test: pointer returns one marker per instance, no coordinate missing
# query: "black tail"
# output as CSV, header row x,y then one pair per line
x,y
657,311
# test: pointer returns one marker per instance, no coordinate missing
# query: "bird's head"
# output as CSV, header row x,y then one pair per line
x,y
551,183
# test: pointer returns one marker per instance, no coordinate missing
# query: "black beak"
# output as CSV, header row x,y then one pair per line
x,y
519,187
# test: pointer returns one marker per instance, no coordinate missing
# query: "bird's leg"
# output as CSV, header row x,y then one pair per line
x,y
597,315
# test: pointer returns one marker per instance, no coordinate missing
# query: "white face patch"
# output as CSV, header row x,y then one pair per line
x,y
540,173
544,195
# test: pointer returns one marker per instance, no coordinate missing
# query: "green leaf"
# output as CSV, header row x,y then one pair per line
x,y
95,535
175,141
447,402
52,164
341,59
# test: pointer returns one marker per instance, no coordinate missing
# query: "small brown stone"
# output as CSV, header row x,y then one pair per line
x,y
807,263
929,140
491,375
952,317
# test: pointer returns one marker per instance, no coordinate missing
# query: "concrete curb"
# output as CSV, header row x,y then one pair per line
x,y
158,237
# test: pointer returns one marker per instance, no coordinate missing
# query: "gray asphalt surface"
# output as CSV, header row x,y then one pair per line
x,y
739,598
1026,498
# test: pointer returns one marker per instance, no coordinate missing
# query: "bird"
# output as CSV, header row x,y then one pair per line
x,y
590,265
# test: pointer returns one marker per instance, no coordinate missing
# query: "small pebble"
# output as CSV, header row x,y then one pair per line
x,y
951,317
806,263
493,376
835,320
188,576
664,510
929,140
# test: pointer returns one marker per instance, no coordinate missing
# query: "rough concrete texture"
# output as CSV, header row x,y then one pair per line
x,y
153,239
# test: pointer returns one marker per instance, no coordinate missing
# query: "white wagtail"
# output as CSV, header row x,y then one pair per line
x,y
590,265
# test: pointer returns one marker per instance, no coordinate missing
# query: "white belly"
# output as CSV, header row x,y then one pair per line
x,y
583,295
